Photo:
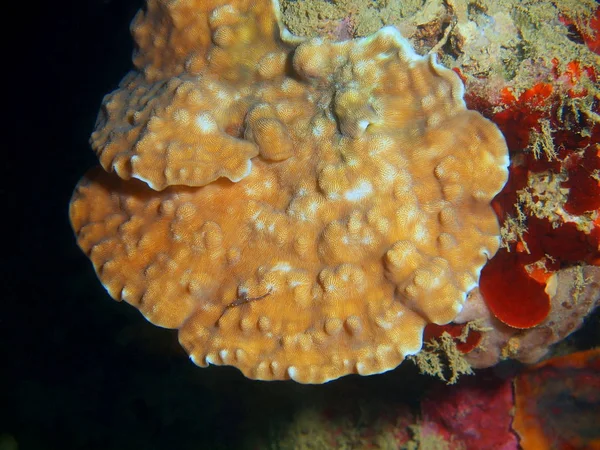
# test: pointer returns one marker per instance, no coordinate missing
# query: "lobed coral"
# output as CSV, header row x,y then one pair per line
x,y
296,208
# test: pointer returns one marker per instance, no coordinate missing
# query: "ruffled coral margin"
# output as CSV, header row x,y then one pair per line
x,y
297,208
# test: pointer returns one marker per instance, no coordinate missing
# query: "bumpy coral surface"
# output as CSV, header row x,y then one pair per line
x,y
296,208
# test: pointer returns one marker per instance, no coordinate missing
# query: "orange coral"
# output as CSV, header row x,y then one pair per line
x,y
305,207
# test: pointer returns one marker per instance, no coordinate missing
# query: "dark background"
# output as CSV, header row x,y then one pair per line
x,y
78,370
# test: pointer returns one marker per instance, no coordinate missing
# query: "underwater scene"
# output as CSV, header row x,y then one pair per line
x,y
330,224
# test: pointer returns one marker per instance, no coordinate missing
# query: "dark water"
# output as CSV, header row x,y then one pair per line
x,y
78,370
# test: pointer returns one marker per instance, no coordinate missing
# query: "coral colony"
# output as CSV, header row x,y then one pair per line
x,y
303,209
297,208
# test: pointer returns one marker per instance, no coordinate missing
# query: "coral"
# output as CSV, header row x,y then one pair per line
x,y
165,127
297,208
557,403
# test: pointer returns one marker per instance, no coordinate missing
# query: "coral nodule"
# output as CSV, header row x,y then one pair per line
x,y
297,208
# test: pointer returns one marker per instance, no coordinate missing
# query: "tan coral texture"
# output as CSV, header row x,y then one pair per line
x,y
296,208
